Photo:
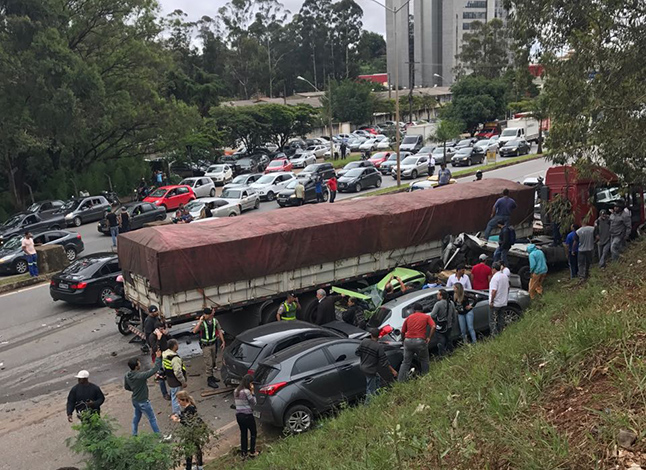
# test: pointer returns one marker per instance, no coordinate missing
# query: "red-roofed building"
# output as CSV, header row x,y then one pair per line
x,y
381,78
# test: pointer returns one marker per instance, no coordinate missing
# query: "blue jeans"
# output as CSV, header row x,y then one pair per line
x,y
493,223
114,231
466,324
32,263
163,388
372,385
573,260
174,403
146,408
501,253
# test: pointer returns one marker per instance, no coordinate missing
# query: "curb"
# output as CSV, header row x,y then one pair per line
x,y
25,283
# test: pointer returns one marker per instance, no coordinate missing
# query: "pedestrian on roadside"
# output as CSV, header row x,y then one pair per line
x,y
344,149
417,331
136,381
585,245
318,188
602,236
372,355
444,175
537,270
113,224
459,276
620,227
158,339
84,397
287,310
332,187
299,193
325,308
501,211
209,330
245,401
464,309
572,251
481,274
498,298
159,178
28,248
431,165
125,221
206,212
443,314
175,373
198,436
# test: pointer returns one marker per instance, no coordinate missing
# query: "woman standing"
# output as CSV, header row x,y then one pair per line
x,y
195,434
464,307
245,401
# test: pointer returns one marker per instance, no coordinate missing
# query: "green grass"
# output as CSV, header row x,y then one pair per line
x,y
11,279
551,392
353,157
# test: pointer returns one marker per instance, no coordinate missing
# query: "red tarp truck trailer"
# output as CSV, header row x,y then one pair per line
x,y
243,261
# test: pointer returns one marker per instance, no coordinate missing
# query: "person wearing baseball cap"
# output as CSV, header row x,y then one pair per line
x,y
209,330
481,274
84,397
288,309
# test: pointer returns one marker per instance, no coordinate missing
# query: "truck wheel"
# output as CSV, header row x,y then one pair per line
x,y
268,314
524,276
308,307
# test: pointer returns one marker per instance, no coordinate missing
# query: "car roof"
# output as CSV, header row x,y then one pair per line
x,y
173,186
274,331
300,348
192,178
99,256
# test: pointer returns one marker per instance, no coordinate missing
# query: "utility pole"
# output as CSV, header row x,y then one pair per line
x,y
329,109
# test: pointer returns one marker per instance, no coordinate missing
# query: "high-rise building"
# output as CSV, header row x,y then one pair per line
x,y
439,27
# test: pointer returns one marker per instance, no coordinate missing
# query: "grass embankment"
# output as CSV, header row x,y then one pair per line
x,y
13,279
551,392
353,157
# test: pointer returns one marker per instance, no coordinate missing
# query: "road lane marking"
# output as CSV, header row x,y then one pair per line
x,y
24,290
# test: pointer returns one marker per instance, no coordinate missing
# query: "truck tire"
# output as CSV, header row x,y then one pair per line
x,y
268,313
308,307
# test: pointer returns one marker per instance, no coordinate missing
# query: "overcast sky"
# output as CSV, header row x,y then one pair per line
x,y
373,15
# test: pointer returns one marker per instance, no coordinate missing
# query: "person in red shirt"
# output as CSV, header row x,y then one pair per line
x,y
332,186
417,331
481,274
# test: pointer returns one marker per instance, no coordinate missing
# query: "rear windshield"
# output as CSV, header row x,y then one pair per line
x,y
84,266
244,352
379,317
265,374
411,139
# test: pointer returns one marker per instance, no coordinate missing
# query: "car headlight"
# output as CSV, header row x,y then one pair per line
x,y
293,195
158,202
4,259
69,217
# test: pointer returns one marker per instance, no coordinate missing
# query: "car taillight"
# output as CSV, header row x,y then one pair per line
x,y
250,372
272,389
80,285
78,236
52,283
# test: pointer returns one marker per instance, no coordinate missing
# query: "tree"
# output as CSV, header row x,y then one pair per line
x,y
539,111
285,122
345,35
485,49
351,101
371,53
447,130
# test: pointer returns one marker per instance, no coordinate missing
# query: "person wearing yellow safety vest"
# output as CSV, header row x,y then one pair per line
x,y
209,329
288,309
175,373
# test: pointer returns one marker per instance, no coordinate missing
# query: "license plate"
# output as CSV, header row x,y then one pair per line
x,y
256,414
62,285
234,382
117,319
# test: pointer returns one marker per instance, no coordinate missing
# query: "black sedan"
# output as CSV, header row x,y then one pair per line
x,y
515,148
467,156
13,260
88,280
23,221
353,165
46,209
140,213
358,179
287,196
311,378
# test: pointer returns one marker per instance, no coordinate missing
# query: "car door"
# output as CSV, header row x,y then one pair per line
x,y
317,378
105,278
183,195
31,222
422,165
99,207
245,201
480,310
138,216
352,382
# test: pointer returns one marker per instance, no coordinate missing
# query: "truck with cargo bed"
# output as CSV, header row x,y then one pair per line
x,y
245,266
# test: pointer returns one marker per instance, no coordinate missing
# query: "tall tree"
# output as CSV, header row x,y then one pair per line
x,y
485,49
345,36
351,101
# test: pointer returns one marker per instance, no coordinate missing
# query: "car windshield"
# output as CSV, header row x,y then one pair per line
x,y
409,161
392,158
464,151
188,182
513,143
265,374
13,221
71,204
292,184
231,194
266,179
216,169
411,139
194,206
310,169
509,132
159,192
354,173
12,244
378,156
244,161
311,147
352,165
276,163
465,142
438,151
482,143
33,207
242,179
244,352
426,150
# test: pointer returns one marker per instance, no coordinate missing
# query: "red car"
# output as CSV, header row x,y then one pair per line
x,y
369,129
170,197
378,158
281,164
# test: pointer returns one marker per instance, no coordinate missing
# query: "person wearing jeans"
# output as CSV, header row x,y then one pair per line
x,y
572,251
464,308
444,315
113,223
602,236
498,297
501,212
175,374
28,248
245,401
136,381
373,359
417,331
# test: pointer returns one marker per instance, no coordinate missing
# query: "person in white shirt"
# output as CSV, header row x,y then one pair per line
x,y
28,248
459,276
498,298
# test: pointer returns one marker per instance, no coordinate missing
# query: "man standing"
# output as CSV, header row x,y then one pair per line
x,y
585,244
209,329
84,396
344,149
481,273
572,251
501,211
444,315
444,175
620,228
505,243
318,188
332,187
288,309
125,220
537,270
417,331
136,381
431,165
299,193
373,359
602,235
459,276
175,374
28,248
498,295
113,223
325,310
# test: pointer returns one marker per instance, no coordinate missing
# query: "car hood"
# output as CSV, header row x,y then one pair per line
x,y
286,192
346,179
12,253
230,200
408,167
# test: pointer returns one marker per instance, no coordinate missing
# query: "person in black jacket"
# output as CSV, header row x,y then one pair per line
x,y
325,310
353,314
84,396
504,243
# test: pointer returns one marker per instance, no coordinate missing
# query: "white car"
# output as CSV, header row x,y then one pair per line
x,y
337,152
220,173
202,186
487,146
380,137
242,181
318,150
246,198
301,160
221,207
413,166
384,144
368,145
271,184
438,154
272,147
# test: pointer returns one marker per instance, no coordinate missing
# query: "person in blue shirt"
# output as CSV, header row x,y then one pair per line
x,y
572,245
537,269
318,188
501,212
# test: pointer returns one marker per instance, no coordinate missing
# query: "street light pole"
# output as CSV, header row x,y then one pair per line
x,y
329,110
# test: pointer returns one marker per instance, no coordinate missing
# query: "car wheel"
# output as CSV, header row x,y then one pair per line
x,y
212,193
511,313
298,419
257,204
71,254
164,206
357,187
414,174
158,218
77,221
469,162
233,214
21,266
106,291
378,183
270,196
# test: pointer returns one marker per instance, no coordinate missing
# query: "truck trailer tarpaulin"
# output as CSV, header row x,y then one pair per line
x,y
195,256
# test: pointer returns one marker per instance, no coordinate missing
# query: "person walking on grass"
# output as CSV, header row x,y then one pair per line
x,y
537,269
197,434
136,381
175,373
498,298
585,246
244,402
572,251
372,355
620,228
209,330
417,331
28,248
602,237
